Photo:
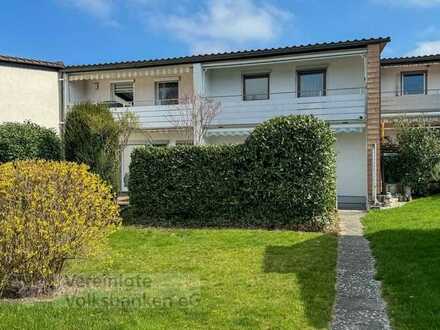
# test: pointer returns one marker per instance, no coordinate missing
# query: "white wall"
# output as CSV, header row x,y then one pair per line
x,y
144,93
341,73
29,94
391,81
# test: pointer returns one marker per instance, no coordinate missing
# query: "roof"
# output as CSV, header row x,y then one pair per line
x,y
31,62
410,60
238,55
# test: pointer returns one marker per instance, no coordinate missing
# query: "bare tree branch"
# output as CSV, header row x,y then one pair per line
x,y
194,116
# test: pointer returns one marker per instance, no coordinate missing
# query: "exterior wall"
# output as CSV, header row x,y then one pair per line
x,y
144,89
344,100
373,115
29,94
391,77
341,74
394,105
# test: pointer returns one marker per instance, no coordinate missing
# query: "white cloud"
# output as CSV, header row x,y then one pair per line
x,y
226,24
102,9
426,48
412,3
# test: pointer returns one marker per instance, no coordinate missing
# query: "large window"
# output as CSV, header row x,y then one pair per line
x,y
256,87
167,92
311,83
123,93
413,83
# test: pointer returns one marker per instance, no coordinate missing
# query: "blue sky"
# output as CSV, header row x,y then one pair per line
x,y
92,31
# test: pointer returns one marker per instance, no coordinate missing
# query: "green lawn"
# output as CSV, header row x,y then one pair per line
x,y
249,279
406,244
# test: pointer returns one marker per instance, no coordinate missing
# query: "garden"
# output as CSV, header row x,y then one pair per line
x,y
405,240
216,237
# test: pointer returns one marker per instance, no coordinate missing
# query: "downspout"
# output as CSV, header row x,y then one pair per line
x,y
61,102
374,174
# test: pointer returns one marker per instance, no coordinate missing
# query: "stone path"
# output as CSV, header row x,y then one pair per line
x,y
359,304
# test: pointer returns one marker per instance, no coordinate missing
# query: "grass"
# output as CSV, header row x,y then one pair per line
x,y
406,245
249,279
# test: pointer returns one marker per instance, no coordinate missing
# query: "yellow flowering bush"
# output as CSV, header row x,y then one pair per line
x,y
49,212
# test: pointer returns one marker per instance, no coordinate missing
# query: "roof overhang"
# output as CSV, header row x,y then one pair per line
x,y
231,56
287,59
410,61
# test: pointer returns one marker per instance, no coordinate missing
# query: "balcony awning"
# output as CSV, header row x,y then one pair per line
x,y
130,74
229,132
337,128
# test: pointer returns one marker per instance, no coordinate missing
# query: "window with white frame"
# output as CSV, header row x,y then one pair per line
x,y
414,83
123,92
256,87
167,92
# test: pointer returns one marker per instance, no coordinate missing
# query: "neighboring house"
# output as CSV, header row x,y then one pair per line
x,y
338,82
30,90
411,89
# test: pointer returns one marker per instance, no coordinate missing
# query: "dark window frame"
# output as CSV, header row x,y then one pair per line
x,y
157,100
256,76
299,73
418,72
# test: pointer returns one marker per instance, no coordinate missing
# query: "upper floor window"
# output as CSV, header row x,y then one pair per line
x,y
413,83
311,83
123,92
256,87
167,92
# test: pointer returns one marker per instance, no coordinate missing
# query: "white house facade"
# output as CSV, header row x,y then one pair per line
x,y
337,82
344,83
30,91
410,88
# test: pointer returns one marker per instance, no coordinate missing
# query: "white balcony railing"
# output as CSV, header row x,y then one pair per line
x,y
338,105
393,104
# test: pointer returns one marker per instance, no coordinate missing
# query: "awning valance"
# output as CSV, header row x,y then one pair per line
x,y
337,128
130,74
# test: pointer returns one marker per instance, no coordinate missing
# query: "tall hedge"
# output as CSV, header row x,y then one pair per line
x,y
91,137
291,172
282,177
22,141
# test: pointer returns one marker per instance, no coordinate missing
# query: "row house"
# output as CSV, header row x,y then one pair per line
x,y
344,83
338,82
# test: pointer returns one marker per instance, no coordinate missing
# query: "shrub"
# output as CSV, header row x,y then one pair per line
x,y
292,167
20,141
91,138
419,148
49,212
282,177
196,185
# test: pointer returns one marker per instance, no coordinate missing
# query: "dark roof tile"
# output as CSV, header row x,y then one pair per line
x,y
31,62
244,54
410,60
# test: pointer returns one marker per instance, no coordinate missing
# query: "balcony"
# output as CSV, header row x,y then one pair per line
x,y
395,105
339,105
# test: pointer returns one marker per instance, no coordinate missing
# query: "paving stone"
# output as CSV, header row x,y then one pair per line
x,y
359,303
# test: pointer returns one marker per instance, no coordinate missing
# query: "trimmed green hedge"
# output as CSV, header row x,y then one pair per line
x,y
283,177
22,141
